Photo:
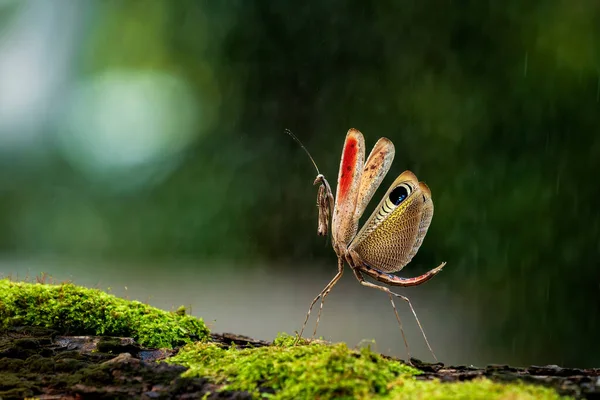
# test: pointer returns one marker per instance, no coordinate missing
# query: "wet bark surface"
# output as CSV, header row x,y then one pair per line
x,y
579,383
39,362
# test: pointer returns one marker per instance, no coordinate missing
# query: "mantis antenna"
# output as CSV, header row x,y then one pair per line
x,y
324,196
289,132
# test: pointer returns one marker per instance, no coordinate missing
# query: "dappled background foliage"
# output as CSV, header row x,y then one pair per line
x,y
151,130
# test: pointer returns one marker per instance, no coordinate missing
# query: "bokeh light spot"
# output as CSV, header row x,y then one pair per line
x,y
124,121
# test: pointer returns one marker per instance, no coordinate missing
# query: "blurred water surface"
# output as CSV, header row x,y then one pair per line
x,y
259,301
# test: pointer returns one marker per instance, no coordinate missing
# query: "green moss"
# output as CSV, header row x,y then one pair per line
x,y
79,311
285,340
322,371
294,372
480,388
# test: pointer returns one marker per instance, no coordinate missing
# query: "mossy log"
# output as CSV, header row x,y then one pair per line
x,y
65,341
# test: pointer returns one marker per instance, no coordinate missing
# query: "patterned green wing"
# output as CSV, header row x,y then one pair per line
x,y
393,234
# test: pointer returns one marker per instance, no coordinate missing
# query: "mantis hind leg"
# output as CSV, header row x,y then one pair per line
x,y
363,282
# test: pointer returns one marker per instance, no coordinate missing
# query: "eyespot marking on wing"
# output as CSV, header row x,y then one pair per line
x,y
400,193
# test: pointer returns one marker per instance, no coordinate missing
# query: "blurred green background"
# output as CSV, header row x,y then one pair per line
x,y
142,146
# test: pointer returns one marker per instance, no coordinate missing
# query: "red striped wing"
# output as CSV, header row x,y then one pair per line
x,y
344,226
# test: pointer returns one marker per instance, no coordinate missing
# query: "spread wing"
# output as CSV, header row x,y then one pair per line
x,y
377,166
343,224
393,234
357,184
